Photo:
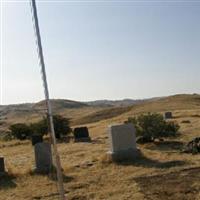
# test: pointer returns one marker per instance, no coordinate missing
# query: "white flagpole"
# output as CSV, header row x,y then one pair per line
x,y
48,104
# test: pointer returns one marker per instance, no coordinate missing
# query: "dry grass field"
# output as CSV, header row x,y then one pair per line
x,y
161,173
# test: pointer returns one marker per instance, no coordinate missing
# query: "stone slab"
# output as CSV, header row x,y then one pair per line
x,y
122,142
2,165
81,132
43,157
122,137
168,115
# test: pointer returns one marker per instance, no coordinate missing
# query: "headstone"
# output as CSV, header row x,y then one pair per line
x,y
43,157
122,142
2,165
168,115
81,134
37,139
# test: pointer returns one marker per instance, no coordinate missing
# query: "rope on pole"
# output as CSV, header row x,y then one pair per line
x,y
48,104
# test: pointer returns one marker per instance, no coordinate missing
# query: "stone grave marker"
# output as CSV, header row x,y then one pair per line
x,y
43,158
2,165
36,139
81,134
122,142
168,115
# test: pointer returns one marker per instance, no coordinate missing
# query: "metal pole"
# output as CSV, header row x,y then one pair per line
x,y
48,104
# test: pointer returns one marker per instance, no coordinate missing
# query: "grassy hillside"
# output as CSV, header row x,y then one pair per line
x,y
161,173
82,113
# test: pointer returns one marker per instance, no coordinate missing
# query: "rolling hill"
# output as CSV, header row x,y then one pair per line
x,y
162,172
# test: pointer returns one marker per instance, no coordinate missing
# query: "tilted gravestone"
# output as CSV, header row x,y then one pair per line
x,y
81,134
168,115
122,142
36,139
2,165
43,157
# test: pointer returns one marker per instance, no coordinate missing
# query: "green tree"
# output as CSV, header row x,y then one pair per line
x,y
152,125
61,126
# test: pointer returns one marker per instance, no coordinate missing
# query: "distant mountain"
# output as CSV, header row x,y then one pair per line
x,y
110,103
58,104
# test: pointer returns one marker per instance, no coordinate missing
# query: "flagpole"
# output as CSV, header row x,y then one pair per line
x,y
48,104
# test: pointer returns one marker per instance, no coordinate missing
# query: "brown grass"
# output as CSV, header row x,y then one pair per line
x,y
162,172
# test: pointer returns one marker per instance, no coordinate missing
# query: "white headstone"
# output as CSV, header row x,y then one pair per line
x,y
122,142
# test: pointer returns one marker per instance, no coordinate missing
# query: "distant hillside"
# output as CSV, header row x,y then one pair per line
x,y
170,103
110,103
58,104
89,112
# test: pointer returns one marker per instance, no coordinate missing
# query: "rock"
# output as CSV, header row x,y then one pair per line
x,y
193,146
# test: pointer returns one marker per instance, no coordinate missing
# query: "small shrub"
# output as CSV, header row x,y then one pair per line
x,y
152,125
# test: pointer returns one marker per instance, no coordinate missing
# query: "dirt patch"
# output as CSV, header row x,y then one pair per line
x,y
182,185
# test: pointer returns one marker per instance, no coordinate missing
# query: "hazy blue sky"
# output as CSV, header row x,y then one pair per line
x,y
98,50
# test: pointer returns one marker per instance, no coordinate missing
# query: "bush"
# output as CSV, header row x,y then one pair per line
x,y
40,128
61,126
20,131
152,125
23,131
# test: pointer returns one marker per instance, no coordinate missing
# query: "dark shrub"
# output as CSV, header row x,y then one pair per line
x,y
61,126
20,131
40,128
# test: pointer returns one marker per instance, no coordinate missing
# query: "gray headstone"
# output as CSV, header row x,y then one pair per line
x,y
43,157
122,142
36,139
2,166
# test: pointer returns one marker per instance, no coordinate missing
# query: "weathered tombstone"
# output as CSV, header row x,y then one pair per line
x,y
2,165
122,142
168,115
81,134
43,157
37,139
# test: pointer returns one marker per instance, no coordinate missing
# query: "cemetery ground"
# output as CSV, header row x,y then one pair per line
x,y
162,172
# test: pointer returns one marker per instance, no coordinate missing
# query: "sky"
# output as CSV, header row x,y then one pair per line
x,y
100,49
